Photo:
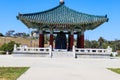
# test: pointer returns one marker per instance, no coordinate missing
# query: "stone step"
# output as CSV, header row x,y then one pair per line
x,y
62,54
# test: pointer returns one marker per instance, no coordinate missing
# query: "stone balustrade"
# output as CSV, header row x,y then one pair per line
x,y
32,50
75,51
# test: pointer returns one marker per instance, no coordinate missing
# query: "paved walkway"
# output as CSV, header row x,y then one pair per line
x,y
64,68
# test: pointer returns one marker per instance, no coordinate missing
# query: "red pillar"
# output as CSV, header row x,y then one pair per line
x,y
71,41
41,40
81,39
68,42
51,40
78,40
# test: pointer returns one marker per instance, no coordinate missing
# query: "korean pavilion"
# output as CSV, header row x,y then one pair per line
x,y
62,20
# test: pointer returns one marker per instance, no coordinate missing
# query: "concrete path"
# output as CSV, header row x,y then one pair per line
x,y
64,68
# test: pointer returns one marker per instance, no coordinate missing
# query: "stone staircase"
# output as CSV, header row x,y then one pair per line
x,y
56,54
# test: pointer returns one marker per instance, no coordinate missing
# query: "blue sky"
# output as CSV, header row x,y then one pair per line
x,y
9,9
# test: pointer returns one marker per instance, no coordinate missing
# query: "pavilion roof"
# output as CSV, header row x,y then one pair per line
x,y
62,16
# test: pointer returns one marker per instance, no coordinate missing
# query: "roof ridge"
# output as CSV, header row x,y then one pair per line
x,y
43,11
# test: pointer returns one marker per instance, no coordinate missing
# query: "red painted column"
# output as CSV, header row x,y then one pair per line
x,y
71,41
68,42
81,39
78,40
41,40
51,40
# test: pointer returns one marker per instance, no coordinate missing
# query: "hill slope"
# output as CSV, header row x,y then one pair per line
x,y
22,41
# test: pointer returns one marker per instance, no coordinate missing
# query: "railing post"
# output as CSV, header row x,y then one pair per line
x,y
21,48
74,55
50,51
109,50
15,47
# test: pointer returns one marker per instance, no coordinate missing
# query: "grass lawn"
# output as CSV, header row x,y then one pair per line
x,y
117,70
11,73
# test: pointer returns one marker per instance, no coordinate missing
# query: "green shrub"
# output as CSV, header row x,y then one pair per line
x,y
8,46
2,52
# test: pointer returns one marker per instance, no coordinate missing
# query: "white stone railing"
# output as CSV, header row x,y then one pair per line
x,y
94,51
32,50
91,51
75,51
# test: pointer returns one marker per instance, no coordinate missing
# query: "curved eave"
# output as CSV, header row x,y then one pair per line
x,y
86,25
76,19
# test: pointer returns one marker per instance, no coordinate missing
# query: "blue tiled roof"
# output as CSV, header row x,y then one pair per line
x,y
62,16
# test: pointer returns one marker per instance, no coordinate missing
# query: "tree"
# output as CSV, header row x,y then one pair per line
x,y
8,46
25,35
101,41
87,44
1,34
94,44
10,33
19,34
